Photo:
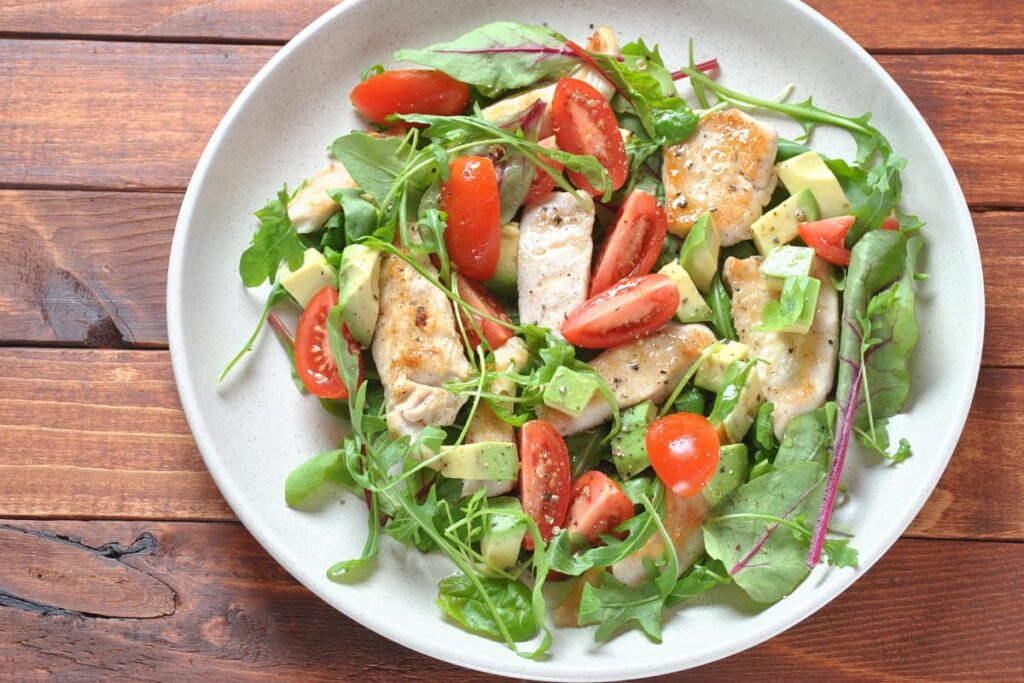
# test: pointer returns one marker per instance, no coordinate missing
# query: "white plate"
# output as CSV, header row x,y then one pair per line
x,y
254,428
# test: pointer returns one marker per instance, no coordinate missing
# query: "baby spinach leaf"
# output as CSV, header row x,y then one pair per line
x,y
274,242
808,438
502,55
375,163
512,604
765,561
328,466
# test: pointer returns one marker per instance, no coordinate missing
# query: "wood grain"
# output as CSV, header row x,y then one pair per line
x,y
90,268
86,114
973,25
101,434
927,605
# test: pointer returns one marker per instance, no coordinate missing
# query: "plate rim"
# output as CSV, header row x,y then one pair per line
x,y
774,626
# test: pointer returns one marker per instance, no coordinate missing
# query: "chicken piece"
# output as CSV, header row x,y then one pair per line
x,y
486,425
511,111
683,519
726,168
312,206
555,246
800,368
646,369
416,348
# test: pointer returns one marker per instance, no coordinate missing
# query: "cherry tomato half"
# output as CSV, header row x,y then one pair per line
x,y
313,358
598,506
631,309
471,200
683,448
634,242
585,124
477,296
544,476
409,91
891,223
827,237
542,183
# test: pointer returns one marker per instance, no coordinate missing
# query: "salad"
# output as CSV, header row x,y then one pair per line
x,y
591,321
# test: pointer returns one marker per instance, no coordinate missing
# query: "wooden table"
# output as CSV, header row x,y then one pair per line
x,y
118,556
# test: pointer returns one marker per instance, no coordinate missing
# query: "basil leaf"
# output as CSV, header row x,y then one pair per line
x,y
502,55
461,601
274,242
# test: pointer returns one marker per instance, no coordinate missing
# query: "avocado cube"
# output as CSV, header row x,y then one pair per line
x,y
692,307
731,473
314,274
569,391
786,262
711,374
808,171
505,276
733,425
502,536
486,460
699,253
629,448
359,291
779,226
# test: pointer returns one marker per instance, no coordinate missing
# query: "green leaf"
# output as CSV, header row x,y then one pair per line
x,y
840,554
764,428
732,385
513,604
375,163
808,438
274,242
502,55
691,400
277,293
328,466
799,297
515,173
614,605
766,561
699,579
587,449
360,216
721,310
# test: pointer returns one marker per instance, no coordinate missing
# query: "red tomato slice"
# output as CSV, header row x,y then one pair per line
x,y
477,296
313,358
409,91
544,477
584,123
471,200
634,242
542,183
826,237
683,448
891,223
631,309
598,506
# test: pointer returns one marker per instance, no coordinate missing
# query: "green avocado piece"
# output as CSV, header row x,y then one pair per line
x,y
487,460
699,253
731,473
797,292
503,535
359,291
314,274
629,447
692,307
737,403
778,226
786,262
711,373
569,391
808,171
505,277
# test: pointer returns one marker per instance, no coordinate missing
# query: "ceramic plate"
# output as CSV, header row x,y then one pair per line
x,y
253,428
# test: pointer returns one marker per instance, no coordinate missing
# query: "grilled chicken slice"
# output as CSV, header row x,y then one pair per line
x,y
312,206
555,246
727,168
801,367
486,426
646,369
683,518
416,348
511,111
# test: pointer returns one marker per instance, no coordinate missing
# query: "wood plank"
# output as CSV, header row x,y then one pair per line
x,y
85,268
121,447
237,614
90,268
83,114
978,24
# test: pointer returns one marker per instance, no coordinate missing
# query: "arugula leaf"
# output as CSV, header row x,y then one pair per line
x,y
808,438
699,579
799,296
764,428
359,216
277,293
274,242
766,563
460,599
502,55
587,449
310,475
735,378
721,310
